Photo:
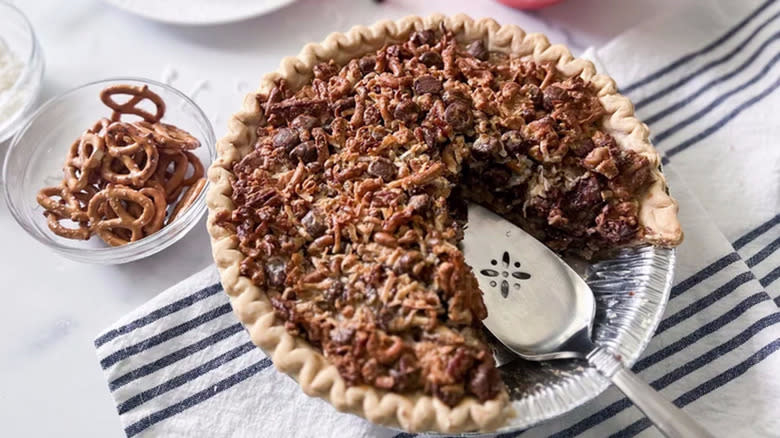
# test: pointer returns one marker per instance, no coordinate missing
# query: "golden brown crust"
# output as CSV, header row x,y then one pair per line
x,y
297,358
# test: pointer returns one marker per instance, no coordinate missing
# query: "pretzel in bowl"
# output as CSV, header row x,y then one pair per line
x,y
63,204
84,157
175,179
139,94
100,127
135,165
122,139
120,177
117,198
188,198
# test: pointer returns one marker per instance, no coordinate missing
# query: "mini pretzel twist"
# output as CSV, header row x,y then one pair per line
x,y
187,199
197,169
100,126
171,170
80,232
123,139
116,198
139,94
70,206
139,166
169,138
66,203
173,137
84,157
154,191
174,178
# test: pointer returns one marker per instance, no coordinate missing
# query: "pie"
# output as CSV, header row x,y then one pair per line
x,y
338,204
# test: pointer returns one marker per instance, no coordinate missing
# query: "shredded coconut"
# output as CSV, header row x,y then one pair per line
x,y
10,70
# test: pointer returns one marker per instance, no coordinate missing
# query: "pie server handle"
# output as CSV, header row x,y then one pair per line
x,y
668,418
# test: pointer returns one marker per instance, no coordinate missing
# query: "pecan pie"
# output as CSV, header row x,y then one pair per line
x,y
339,203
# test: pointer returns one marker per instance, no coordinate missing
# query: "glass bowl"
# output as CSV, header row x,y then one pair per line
x,y
38,150
24,81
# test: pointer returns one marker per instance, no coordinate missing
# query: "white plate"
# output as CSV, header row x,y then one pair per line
x,y
198,12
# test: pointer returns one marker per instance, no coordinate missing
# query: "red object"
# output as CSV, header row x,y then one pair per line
x,y
529,4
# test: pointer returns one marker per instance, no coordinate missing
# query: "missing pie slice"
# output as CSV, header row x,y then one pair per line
x,y
338,203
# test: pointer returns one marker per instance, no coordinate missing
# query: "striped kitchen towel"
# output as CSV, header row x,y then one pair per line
x,y
713,110
182,366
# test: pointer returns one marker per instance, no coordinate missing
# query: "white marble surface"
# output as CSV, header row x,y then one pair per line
x,y
50,382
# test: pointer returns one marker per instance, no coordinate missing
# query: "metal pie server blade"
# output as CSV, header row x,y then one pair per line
x,y
541,309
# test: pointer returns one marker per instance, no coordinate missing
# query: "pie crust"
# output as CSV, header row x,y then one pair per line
x,y
293,355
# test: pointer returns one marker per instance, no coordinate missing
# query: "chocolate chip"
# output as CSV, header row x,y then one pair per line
x,y
418,203
486,147
304,121
422,37
342,105
477,49
451,96
586,193
275,272
582,148
398,51
430,136
432,59
314,224
286,139
552,96
407,112
533,92
367,64
427,84
383,168
306,152
514,142
458,116
449,394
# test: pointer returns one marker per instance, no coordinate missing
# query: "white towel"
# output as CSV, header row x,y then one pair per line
x,y
181,365
703,77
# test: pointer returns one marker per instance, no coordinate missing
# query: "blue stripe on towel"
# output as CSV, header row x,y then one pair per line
x,y
706,387
174,357
196,398
164,336
671,377
151,393
663,135
690,56
722,122
159,313
725,58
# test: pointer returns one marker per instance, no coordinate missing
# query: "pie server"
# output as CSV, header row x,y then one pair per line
x,y
547,313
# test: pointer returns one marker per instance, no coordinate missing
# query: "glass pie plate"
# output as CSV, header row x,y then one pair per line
x,y
631,288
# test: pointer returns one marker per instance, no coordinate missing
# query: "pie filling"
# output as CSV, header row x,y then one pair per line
x,y
350,209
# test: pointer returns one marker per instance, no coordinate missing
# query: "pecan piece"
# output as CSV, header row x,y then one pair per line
x,y
600,160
